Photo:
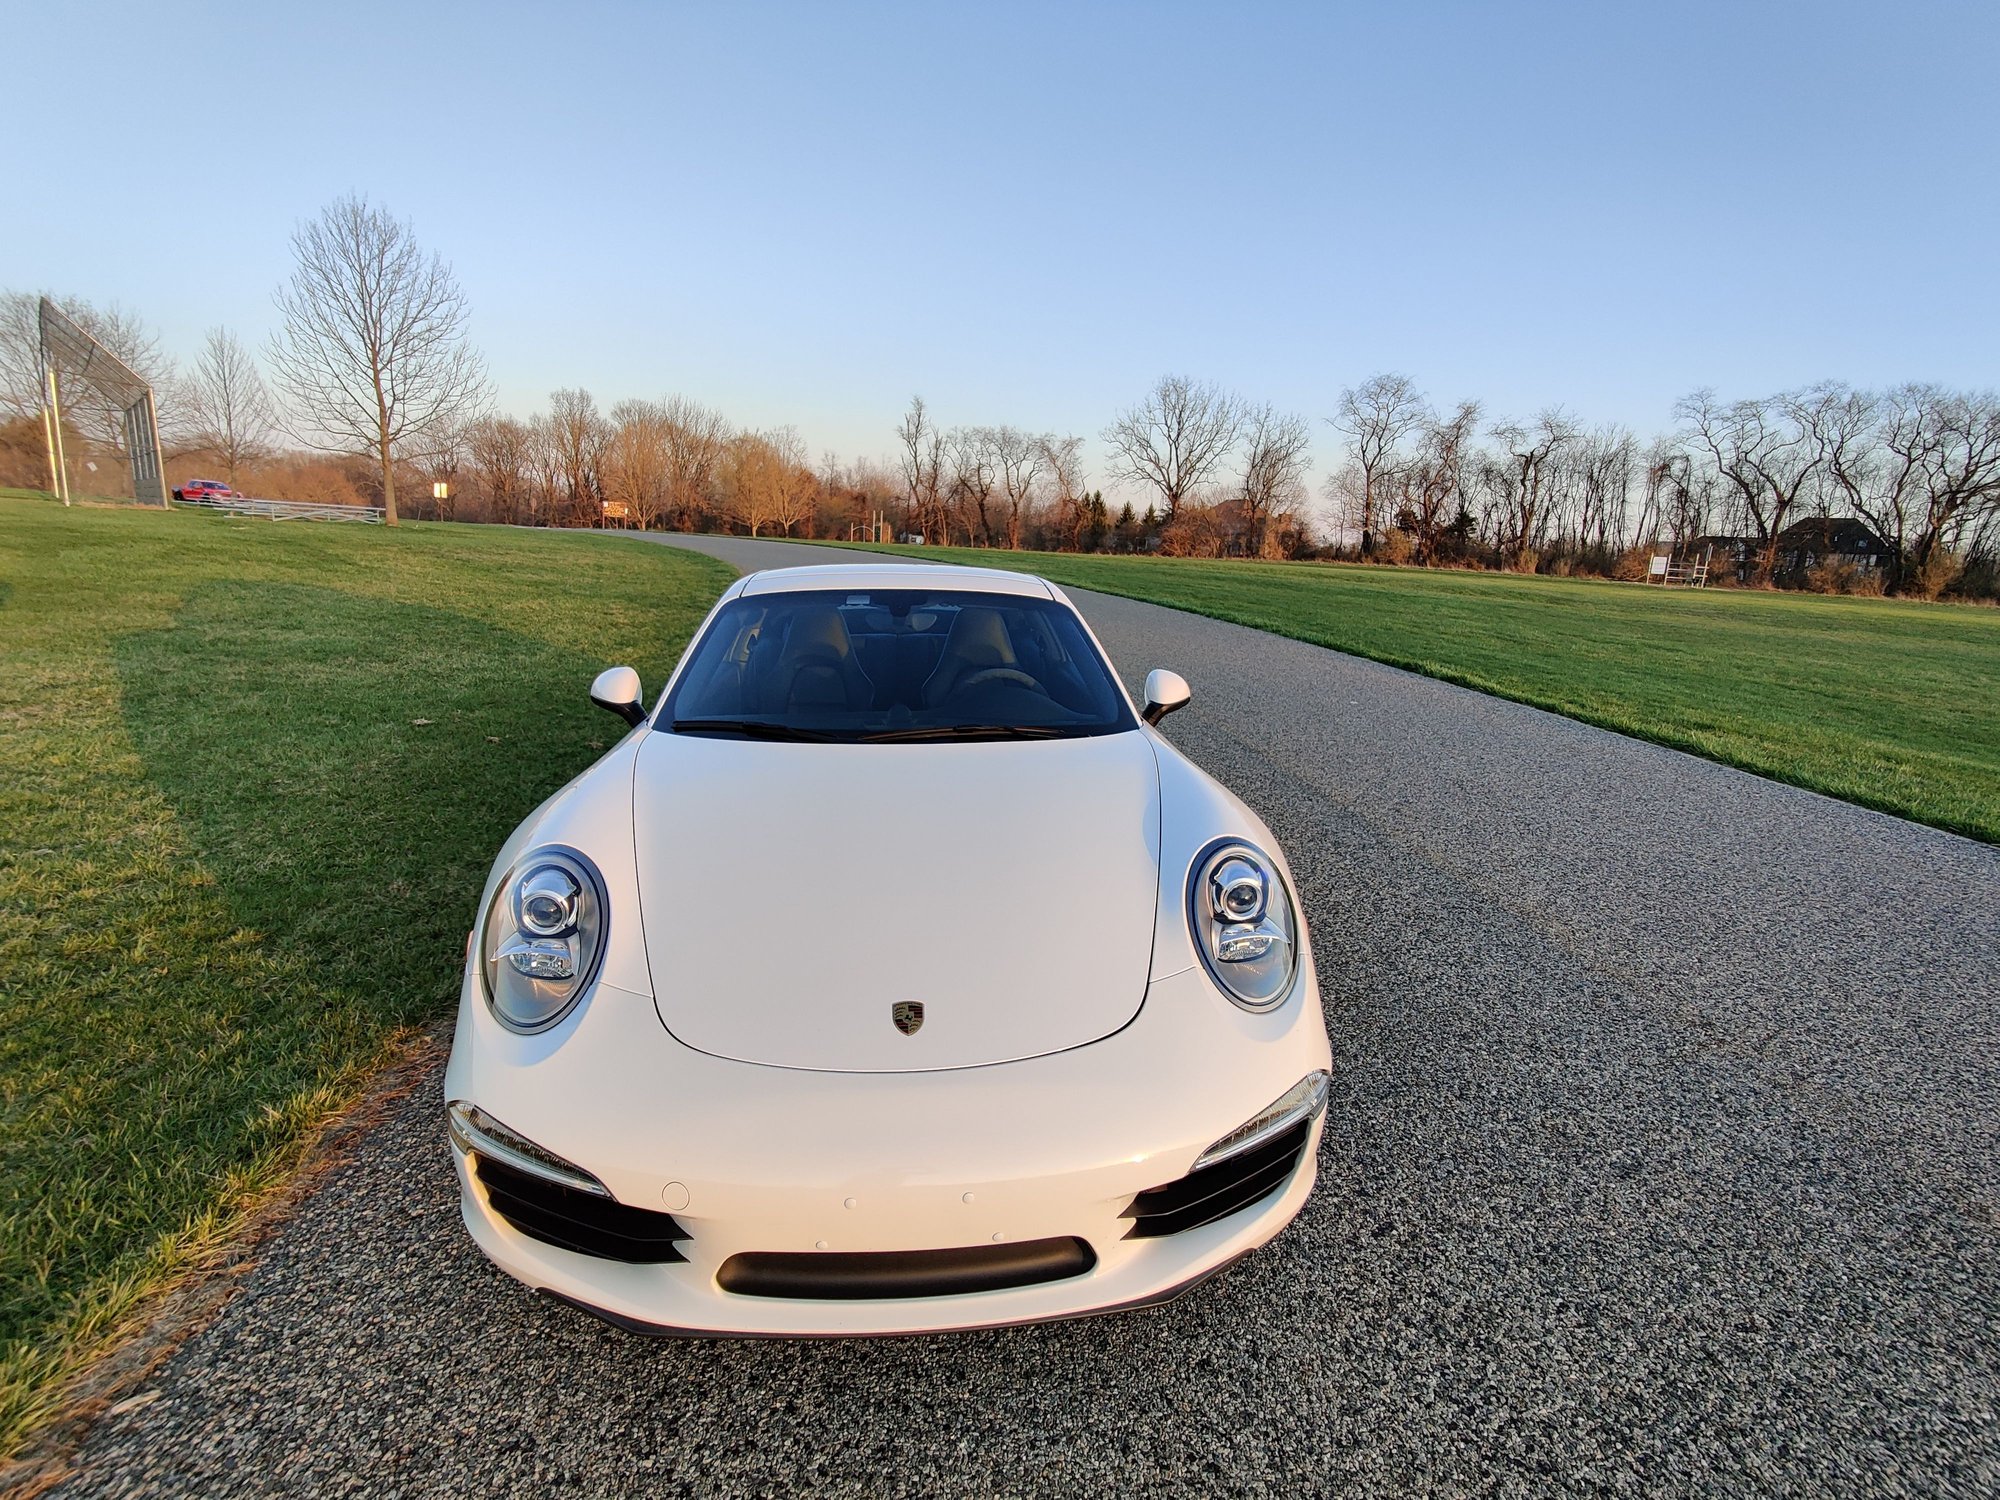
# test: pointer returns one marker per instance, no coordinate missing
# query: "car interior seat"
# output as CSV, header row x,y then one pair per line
x,y
978,640
814,667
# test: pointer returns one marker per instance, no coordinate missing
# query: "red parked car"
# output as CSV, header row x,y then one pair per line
x,y
205,489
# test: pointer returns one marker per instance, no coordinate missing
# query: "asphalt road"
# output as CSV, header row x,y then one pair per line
x,y
1662,1159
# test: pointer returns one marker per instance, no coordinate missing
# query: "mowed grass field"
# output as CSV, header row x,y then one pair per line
x,y
251,778
1889,704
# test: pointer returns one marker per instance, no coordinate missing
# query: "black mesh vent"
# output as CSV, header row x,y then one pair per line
x,y
572,1219
1214,1192
854,1275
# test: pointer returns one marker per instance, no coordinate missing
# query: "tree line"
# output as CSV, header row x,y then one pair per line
x,y
371,391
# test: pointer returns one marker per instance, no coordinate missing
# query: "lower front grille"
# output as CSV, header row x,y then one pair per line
x,y
571,1219
854,1275
1217,1191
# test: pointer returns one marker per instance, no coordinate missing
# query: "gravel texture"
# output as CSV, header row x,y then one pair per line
x,y
1662,1159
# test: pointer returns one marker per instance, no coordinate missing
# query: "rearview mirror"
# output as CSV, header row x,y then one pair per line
x,y
1165,692
619,689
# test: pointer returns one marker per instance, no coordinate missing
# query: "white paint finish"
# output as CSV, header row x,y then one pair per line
x,y
808,849
792,893
895,575
779,1159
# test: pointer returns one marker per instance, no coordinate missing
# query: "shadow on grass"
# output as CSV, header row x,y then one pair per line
x,y
346,768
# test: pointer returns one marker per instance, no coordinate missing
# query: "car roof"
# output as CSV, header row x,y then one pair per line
x,y
896,575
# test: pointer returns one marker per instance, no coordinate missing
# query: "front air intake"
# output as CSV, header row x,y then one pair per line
x,y
859,1275
571,1219
1215,1192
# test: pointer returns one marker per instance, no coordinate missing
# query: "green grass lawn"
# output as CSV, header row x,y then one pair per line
x,y
1892,705
251,777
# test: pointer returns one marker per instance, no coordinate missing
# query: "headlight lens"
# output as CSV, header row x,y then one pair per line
x,y
1243,924
544,938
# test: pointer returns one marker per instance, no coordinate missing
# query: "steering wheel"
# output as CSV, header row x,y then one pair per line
x,y
997,674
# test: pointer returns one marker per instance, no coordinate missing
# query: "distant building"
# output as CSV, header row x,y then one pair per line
x,y
1802,546
1805,545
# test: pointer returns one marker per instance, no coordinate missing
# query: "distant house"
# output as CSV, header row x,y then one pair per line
x,y
1802,546
1805,545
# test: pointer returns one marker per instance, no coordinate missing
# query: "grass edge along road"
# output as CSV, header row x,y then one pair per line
x,y
1890,704
251,777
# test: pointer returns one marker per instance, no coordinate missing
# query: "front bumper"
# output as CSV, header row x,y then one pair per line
x,y
752,1159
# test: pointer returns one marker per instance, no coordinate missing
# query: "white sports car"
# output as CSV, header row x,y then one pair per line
x,y
892,974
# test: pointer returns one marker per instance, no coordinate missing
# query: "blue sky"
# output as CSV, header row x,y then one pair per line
x,y
1027,213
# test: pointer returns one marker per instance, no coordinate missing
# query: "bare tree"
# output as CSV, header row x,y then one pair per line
x,y
1606,460
1062,460
1175,438
1940,479
226,410
795,490
1532,449
632,466
500,462
1377,416
1021,461
1431,484
766,481
1275,454
696,438
1764,451
373,353
578,434
970,450
923,459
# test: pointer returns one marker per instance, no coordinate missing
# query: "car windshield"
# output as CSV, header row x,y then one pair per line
x,y
895,664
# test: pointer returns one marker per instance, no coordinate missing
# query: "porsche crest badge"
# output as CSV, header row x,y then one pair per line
x,y
908,1016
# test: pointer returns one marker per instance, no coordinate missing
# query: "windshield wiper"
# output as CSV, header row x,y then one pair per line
x,y
970,732
757,729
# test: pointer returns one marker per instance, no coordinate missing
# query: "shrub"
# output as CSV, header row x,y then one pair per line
x,y
1839,576
1394,547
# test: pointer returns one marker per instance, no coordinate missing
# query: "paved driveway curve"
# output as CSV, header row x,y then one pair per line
x,y
1662,1158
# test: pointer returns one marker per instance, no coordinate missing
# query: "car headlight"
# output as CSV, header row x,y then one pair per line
x,y
544,938
1243,924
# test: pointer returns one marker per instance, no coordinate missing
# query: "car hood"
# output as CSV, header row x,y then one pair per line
x,y
793,895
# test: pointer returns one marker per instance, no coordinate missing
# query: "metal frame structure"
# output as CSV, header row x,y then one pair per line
x,y
1680,569
65,345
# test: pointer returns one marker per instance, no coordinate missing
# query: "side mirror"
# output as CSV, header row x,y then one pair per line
x,y
619,689
1165,692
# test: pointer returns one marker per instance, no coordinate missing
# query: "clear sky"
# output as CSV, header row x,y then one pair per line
x,y
1028,213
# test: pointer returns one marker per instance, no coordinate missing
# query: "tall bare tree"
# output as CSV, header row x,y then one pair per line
x,y
923,461
373,353
1764,451
1532,450
1377,415
500,460
1021,461
1431,484
1062,461
1276,450
1175,438
226,409
578,434
767,482
1940,477
695,438
973,474
632,466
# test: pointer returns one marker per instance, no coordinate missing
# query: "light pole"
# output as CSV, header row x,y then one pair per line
x,y
440,492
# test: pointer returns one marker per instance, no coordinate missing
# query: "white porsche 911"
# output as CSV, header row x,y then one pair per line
x,y
892,974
